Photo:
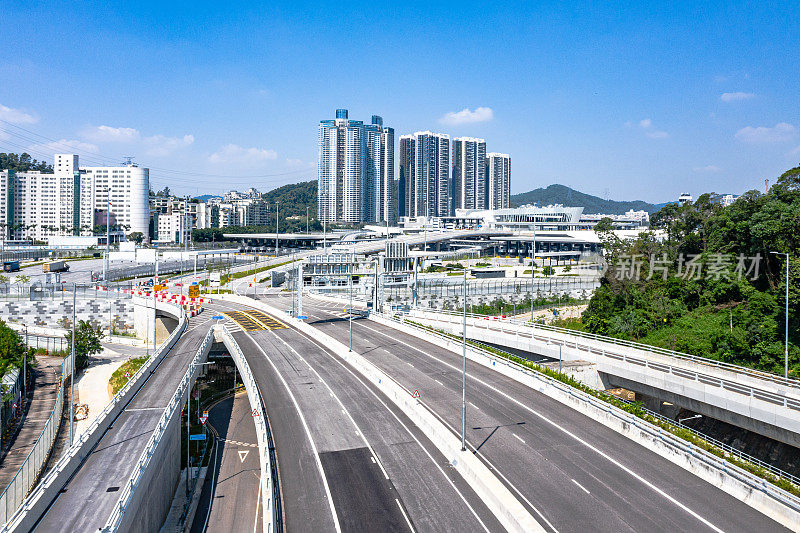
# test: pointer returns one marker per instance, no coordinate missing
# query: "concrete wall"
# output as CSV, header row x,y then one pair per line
x,y
143,320
48,313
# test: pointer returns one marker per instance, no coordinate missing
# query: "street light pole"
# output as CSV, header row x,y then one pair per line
x,y
786,320
72,369
276,228
306,220
350,309
464,371
533,263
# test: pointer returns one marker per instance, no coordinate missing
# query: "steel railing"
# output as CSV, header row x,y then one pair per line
x,y
31,469
270,491
717,463
761,375
126,496
14,512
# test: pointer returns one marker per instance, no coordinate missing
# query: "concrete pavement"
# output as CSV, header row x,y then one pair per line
x,y
572,472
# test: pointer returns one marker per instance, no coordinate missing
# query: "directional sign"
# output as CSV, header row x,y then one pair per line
x,y
199,436
242,454
416,394
217,317
303,317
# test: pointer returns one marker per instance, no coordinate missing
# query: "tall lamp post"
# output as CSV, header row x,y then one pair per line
x,y
72,369
276,228
533,264
350,308
464,367
786,317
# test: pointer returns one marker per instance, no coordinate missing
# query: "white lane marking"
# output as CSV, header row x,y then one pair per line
x,y
473,405
522,441
242,455
437,381
424,449
373,459
574,436
581,486
347,413
307,430
258,503
404,515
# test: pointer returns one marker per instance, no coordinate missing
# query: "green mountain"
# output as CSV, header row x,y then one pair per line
x,y
561,194
23,163
294,198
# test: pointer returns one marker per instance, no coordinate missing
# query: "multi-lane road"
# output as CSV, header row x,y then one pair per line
x,y
570,472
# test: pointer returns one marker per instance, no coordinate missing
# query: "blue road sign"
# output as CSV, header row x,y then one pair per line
x,y
199,436
303,317
217,317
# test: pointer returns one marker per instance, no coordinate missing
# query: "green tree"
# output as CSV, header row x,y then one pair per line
x,y
87,342
548,271
12,348
136,236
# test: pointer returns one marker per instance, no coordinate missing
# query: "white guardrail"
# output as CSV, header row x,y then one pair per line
x,y
710,460
126,496
271,508
527,330
38,500
30,470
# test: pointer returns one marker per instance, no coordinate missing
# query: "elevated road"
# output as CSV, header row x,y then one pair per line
x,y
348,460
571,472
87,500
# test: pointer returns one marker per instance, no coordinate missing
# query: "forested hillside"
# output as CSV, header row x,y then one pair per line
x,y
561,194
23,163
711,287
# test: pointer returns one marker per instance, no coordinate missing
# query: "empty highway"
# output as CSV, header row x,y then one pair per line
x,y
571,472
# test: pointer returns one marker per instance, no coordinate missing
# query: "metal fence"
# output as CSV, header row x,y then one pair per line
x,y
11,500
30,470
49,344
63,291
146,458
494,287
175,266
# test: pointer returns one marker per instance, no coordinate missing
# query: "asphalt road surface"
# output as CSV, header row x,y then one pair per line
x,y
348,460
96,484
572,473
233,481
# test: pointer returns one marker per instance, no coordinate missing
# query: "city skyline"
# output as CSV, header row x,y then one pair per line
x,y
630,103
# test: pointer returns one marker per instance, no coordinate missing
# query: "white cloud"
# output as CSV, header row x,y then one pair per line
x,y
111,134
16,116
233,153
711,169
779,133
294,162
736,97
160,145
646,124
466,116
66,146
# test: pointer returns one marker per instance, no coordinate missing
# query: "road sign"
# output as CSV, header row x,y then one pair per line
x,y
303,317
416,394
127,375
217,317
203,419
254,413
199,436
242,454
196,394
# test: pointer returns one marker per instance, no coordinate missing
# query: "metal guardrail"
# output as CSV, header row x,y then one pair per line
x,y
115,519
10,517
172,266
62,291
709,459
270,491
30,469
791,382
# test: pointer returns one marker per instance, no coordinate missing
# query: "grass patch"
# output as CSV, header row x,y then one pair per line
x,y
225,278
635,409
118,379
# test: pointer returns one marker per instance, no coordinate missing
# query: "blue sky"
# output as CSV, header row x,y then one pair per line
x,y
626,100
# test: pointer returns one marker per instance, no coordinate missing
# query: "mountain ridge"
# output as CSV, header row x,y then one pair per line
x,y
567,196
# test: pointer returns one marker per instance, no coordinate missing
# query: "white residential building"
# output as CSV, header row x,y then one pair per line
x,y
498,177
73,199
355,170
425,174
469,190
174,227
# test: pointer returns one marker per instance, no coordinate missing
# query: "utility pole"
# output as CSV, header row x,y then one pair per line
x,y
108,239
533,263
155,284
464,371
72,369
350,309
276,228
307,220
